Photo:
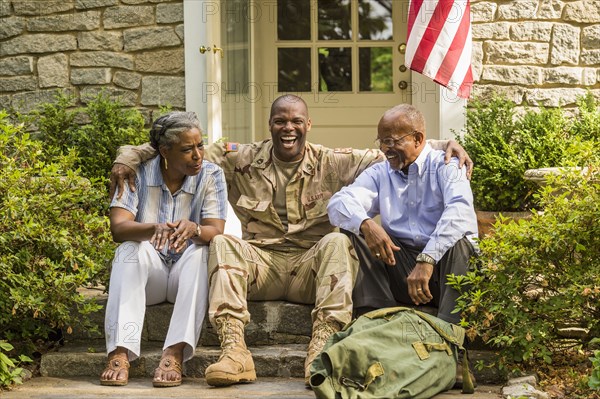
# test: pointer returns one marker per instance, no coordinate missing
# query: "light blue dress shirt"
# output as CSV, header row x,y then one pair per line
x,y
430,208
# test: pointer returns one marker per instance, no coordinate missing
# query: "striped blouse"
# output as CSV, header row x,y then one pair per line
x,y
201,196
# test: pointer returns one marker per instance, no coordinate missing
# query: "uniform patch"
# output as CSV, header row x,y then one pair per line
x,y
231,147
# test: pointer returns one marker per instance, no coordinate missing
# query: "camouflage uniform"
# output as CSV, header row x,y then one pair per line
x,y
308,263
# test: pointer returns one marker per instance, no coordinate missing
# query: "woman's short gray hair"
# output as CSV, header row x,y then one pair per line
x,y
165,130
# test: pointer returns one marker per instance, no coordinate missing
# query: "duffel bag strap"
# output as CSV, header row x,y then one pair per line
x,y
457,339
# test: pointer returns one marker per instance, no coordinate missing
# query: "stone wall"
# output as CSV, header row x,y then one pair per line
x,y
133,49
537,52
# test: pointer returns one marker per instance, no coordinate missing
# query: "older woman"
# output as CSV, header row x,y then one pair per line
x,y
165,225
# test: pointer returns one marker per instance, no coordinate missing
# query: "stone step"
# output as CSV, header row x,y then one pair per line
x,y
76,360
272,322
89,360
278,335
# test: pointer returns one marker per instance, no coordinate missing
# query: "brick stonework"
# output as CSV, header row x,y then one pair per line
x,y
132,49
536,52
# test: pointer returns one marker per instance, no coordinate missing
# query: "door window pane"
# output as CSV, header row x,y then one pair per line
x,y
236,113
375,19
335,69
334,20
375,69
293,19
294,69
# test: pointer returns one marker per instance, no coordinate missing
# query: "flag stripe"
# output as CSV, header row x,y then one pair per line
x,y
431,33
415,6
464,90
439,42
455,51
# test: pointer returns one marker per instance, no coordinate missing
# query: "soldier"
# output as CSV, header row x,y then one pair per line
x,y
279,189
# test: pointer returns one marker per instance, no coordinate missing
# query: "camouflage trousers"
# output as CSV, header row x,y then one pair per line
x,y
323,275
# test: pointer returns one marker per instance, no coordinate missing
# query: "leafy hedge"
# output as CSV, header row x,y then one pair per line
x,y
504,144
538,276
54,237
95,131
54,233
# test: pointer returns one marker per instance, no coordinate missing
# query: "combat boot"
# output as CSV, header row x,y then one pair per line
x,y
320,334
235,364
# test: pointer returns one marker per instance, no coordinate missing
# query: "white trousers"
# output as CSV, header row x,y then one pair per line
x,y
139,277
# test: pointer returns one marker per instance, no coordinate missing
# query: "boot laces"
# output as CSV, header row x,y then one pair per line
x,y
229,334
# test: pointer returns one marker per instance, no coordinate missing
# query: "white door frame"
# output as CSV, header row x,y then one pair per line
x,y
202,71
444,111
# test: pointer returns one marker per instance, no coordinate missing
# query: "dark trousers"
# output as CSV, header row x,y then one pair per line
x,y
379,285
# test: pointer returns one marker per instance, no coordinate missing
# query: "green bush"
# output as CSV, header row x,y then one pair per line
x,y
110,126
594,379
539,276
54,238
10,370
504,145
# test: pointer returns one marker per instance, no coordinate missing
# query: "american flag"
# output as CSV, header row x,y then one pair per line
x,y
439,42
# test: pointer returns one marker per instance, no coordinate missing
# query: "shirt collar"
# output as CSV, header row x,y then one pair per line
x,y
419,163
264,157
155,178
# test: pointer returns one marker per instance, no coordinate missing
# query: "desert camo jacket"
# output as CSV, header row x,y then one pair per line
x,y
250,176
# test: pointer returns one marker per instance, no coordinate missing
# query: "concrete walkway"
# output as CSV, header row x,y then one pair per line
x,y
286,388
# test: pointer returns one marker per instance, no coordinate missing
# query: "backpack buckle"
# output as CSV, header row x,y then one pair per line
x,y
347,382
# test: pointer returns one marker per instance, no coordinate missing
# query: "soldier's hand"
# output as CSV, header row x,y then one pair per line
x,y
120,174
456,150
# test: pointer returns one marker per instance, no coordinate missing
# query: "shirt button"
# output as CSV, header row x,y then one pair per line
x,y
412,203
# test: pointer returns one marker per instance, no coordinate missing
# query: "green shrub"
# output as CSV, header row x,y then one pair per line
x,y
504,145
54,238
10,370
594,379
110,126
537,276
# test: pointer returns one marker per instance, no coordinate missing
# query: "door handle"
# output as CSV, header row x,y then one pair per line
x,y
204,49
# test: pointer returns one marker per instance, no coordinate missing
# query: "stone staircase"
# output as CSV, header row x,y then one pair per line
x,y
277,335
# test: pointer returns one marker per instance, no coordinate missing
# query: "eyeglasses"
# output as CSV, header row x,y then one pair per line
x,y
390,141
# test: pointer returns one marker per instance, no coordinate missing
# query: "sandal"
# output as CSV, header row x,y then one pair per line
x,y
116,364
166,365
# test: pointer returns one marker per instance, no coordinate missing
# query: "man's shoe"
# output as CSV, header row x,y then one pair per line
x,y
235,364
320,334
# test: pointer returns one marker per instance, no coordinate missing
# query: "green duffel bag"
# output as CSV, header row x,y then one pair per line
x,y
391,353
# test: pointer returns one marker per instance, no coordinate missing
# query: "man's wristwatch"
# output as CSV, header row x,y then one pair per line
x,y
198,230
426,259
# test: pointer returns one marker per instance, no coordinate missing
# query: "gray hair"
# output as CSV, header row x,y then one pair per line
x,y
165,130
403,117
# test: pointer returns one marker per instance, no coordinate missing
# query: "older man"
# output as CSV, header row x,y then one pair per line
x,y
428,222
279,189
